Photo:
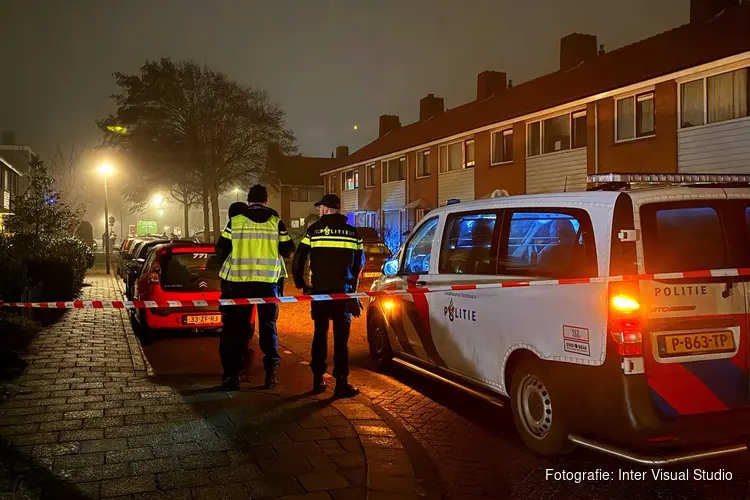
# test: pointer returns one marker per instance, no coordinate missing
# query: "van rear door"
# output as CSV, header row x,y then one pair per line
x,y
696,328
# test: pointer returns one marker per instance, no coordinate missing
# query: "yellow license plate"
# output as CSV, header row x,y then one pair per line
x,y
371,275
695,344
205,319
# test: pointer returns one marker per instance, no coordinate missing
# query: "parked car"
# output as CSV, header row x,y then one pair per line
x,y
134,265
178,271
376,253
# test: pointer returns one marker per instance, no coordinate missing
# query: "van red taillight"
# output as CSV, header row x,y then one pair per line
x,y
624,318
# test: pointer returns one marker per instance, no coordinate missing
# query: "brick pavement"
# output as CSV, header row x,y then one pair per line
x,y
88,421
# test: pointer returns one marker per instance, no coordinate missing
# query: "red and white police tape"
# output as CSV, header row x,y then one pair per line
x,y
174,304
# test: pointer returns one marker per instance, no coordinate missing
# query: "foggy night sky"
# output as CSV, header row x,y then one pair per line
x,y
330,64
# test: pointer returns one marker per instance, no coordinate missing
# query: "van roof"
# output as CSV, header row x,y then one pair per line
x,y
570,199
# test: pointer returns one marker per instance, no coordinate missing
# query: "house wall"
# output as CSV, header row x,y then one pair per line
x,y
716,148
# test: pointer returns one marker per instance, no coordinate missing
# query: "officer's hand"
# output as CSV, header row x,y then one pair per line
x,y
354,307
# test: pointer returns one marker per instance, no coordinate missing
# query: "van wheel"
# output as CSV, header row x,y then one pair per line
x,y
145,334
537,410
380,344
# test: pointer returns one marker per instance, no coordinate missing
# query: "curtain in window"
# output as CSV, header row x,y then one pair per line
x,y
455,156
625,119
645,116
727,96
692,103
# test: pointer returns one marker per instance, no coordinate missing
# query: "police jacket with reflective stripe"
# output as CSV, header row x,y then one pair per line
x,y
336,256
251,244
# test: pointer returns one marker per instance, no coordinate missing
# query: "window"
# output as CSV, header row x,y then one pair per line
x,y
548,243
580,133
419,214
714,99
295,223
350,180
419,249
331,184
635,116
559,133
370,175
300,194
454,157
534,139
394,170
186,271
669,230
423,163
468,244
502,147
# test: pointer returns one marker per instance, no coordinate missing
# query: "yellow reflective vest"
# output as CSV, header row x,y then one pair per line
x,y
254,256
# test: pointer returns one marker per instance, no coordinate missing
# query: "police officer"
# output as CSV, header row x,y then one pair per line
x,y
336,257
249,248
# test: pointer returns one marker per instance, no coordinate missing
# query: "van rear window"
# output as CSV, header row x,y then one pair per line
x,y
187,272
689,238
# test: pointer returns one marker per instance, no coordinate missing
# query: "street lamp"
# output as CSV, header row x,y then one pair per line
x,y
236,194
105,170
157,200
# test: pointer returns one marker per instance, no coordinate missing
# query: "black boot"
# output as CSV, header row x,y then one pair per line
x,y
247,366
230,382
344,390
271,379
319,386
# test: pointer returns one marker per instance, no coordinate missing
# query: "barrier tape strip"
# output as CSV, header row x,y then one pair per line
x,y
175,304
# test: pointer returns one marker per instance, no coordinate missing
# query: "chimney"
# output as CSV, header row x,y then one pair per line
x,y
9,138
702,11
575,49
342,151
430,106
601,50
388,123
490,82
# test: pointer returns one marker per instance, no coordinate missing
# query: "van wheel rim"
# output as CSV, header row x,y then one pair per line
x,y
534,406
379,341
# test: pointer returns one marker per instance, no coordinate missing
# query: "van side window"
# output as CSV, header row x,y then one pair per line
x,y
417,252
556,243
688,238
467,246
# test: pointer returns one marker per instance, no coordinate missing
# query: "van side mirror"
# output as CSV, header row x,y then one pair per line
x,y
390,267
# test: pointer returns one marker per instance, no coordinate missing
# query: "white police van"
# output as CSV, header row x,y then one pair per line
x,y
653,370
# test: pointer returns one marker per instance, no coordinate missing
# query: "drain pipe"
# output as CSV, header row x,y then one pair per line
x,y
596,137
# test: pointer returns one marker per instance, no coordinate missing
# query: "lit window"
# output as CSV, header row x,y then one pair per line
x,y
635,116
423,163
295,224
350,180
394,170
502,146
469,154
453,157
714,99
534,139
559,133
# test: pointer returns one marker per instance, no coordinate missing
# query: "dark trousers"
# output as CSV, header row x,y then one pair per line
x,y
237,331
335,311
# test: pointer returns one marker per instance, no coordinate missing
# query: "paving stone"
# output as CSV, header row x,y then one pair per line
x,y
356,476
300,449
356,411
318,495
61,425
36,438
350,494
176,494
227,492
51,450
155,466
348,459
83,414
269,487
285,466
79,460
183,479
319,481
99,472
235,473
373,430
177,450
308,434
128,485
149,440
100,423
104,445
342,432
130,455
81,435
381,442
89,490
12,430
204,460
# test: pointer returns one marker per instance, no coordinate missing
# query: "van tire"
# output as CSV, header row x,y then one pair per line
x,y
538,411
377,338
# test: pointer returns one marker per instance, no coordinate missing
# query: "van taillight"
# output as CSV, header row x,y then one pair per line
x,y
624,318
155,274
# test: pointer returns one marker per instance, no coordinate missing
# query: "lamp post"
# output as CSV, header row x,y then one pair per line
x,y
105,170
236,194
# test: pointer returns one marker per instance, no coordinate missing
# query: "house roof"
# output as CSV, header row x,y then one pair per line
x,y
302,170
675,50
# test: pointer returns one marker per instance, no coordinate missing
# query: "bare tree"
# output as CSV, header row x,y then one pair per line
x,y
65,167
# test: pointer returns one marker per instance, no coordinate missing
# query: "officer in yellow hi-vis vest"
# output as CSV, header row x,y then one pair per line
x,y
336,258
250,247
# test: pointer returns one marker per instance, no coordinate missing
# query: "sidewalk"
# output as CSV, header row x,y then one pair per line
x,y
90,421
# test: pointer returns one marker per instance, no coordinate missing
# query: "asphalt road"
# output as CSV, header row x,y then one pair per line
x,y
468,447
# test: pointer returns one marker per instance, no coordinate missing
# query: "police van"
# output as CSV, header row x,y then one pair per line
x,y
653,370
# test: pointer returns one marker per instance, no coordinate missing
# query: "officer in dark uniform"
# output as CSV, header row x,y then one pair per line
x,y
336,257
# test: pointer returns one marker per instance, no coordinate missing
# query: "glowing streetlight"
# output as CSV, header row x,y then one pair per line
x,y
106,169
158,200
236,194
117,129
356,127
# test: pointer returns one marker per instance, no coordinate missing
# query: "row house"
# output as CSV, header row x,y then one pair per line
x,y
14,171
673,103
